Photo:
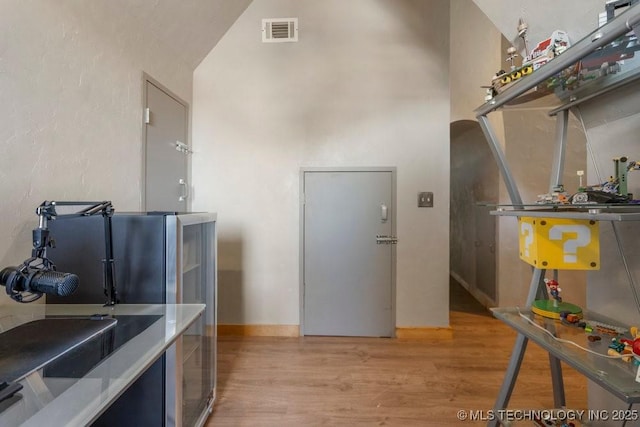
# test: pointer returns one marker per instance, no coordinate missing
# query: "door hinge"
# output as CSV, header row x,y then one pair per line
x,y
147,116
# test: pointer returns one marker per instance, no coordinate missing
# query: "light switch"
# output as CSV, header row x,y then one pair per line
x,y
425,200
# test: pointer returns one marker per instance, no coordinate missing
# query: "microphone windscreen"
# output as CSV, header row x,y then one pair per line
x,y
7,276
54,283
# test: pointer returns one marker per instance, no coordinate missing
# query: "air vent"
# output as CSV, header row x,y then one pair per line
x,y
277,30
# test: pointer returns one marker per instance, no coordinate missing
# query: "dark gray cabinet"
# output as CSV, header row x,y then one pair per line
x,y
160,258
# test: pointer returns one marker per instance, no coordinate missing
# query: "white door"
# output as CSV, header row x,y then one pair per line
x,y
166,186
348,255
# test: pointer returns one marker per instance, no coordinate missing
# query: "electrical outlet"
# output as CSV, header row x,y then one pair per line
x,y
425,200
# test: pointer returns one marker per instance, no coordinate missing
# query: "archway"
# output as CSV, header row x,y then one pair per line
x,y
474,188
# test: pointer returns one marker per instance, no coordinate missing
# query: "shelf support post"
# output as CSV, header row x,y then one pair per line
x,y
557,382
557,171
517,354
501,160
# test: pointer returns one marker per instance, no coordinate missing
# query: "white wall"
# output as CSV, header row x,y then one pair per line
x,y
71,110
366,85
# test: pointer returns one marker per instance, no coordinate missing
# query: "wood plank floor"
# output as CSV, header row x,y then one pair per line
x,y
376,381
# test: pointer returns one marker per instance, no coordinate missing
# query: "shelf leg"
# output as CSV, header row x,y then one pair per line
x,y
557,382
537,289
510,377
499,156
520,346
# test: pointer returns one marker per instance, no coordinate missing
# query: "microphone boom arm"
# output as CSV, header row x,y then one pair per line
x,y
42,239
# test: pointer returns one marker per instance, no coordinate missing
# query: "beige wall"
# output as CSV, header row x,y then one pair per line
x,y
71,110
473,170
366,85
530,141
475,57
613,125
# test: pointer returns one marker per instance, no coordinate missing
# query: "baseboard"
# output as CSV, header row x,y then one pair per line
x,y
479,295
259,330
294,331
424,333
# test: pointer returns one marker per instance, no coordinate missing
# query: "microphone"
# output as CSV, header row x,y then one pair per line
x,y
32,280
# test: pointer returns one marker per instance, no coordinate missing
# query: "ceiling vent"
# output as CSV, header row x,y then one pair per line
x,y
277,30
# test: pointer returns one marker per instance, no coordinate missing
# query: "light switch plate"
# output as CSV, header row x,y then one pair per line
x,y
425,200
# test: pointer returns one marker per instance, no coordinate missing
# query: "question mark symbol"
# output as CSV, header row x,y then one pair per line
x,y
570,246
527,228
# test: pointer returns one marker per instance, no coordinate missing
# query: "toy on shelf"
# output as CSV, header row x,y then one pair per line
x,y
554,423
608,59
620,346
604,61
614,190
634,344
554,307
544,51
604,328
557,196
630,349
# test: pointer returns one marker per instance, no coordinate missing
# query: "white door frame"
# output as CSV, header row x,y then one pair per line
x,y
146,78
393,171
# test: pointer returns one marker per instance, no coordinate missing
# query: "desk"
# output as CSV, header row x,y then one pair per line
x,y
57,400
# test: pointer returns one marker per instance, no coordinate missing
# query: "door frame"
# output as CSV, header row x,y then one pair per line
x,y
146,78
301,197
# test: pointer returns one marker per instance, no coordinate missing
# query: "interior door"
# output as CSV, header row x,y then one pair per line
x,y
348,272
166,164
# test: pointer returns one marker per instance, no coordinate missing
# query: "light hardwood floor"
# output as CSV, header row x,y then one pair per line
x,y
377,381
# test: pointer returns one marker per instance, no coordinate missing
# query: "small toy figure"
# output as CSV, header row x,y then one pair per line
x,y
553,307
554,289
635,343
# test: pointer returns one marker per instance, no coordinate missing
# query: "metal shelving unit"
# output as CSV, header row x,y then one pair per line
x,y
602,213
614,375
520,91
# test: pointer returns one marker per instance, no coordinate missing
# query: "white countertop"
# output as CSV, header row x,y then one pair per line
x,y
70,402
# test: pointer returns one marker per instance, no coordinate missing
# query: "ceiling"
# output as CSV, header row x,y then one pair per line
x,y
188,29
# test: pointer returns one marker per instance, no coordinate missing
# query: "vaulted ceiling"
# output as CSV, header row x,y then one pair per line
x,y
188,29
